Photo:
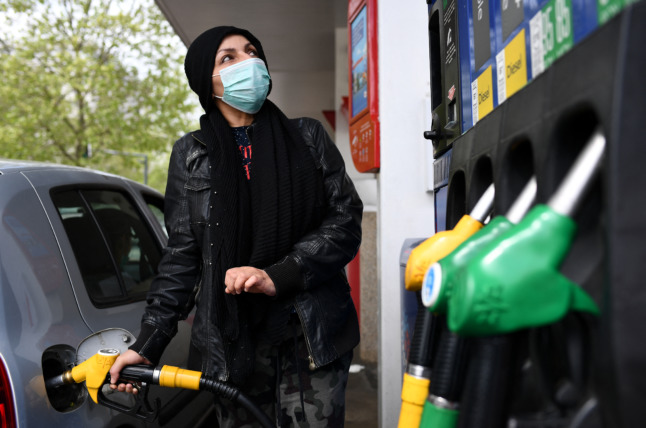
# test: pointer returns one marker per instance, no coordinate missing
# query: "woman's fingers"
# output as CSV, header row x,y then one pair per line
x,y
250,280
126,359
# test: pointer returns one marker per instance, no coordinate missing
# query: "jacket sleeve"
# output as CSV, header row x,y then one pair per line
x,y
171,294
324,252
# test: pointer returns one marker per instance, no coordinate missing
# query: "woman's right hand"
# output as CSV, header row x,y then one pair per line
x,y
128,358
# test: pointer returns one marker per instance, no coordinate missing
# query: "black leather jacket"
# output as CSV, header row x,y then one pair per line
x,y
321,297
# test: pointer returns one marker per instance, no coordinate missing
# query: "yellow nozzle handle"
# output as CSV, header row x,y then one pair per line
x,y
94,370
436,248
414,393
174,377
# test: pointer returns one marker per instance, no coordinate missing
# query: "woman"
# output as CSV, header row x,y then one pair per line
x,y
258,243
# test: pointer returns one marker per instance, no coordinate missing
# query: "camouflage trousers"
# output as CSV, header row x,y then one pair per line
x,y
286,389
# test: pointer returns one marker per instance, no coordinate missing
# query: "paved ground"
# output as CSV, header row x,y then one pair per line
x,y
361,399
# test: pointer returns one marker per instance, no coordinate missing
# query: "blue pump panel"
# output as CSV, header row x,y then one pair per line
x,y
503,44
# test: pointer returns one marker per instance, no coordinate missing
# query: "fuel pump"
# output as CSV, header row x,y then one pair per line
x,y
547,230
94,371
417,377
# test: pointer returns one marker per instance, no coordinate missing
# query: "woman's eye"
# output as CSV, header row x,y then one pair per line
x,y
253,52
225,58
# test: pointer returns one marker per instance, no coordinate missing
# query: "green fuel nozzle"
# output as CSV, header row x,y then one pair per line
x,y
440,278
514,281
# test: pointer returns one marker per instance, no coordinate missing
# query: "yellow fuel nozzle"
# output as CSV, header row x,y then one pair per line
x,y
94,371
443,243
435,248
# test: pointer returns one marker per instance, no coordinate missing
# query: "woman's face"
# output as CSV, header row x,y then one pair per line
x,y
233,49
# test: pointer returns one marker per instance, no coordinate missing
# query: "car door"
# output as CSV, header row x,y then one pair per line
x,y
111,241
85,210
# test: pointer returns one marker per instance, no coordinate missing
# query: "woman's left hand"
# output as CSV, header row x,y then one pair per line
x,y
250,280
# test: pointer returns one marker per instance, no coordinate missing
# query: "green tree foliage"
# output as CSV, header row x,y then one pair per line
x,y
105,74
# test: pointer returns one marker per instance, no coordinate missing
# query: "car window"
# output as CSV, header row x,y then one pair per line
x,y
115,251
156,205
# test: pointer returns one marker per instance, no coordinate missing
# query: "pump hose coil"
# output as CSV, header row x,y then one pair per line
x,y
233,394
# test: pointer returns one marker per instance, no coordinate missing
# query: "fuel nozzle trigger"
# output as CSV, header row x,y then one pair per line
x,y
142,409
142,375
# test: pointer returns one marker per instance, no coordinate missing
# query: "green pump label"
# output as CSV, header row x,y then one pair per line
x,y
606,9
551,34
559,35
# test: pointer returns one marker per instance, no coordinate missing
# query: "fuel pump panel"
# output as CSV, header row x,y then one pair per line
x,y
535,79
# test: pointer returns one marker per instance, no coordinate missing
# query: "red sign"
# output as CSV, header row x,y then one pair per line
x,y
363,84
363,147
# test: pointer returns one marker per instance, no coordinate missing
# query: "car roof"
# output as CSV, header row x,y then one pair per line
x,y
11,166
16,166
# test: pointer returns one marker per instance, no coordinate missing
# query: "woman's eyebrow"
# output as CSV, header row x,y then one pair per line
x,y
233,49
225,50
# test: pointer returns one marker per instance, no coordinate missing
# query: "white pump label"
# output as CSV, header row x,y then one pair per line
x,y
432,285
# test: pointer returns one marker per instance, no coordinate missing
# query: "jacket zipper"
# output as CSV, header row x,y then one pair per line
x,y
198,140
312,365
224,378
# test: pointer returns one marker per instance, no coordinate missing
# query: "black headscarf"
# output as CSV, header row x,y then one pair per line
x,y
200,60
255,222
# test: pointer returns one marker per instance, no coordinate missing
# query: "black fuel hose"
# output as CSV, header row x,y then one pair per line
x,y
425,336
233,394
143,373
484,402
449,368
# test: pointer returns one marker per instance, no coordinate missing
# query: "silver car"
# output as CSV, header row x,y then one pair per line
x,y
78,250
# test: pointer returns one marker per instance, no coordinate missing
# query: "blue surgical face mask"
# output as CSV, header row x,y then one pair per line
x,y
246,85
